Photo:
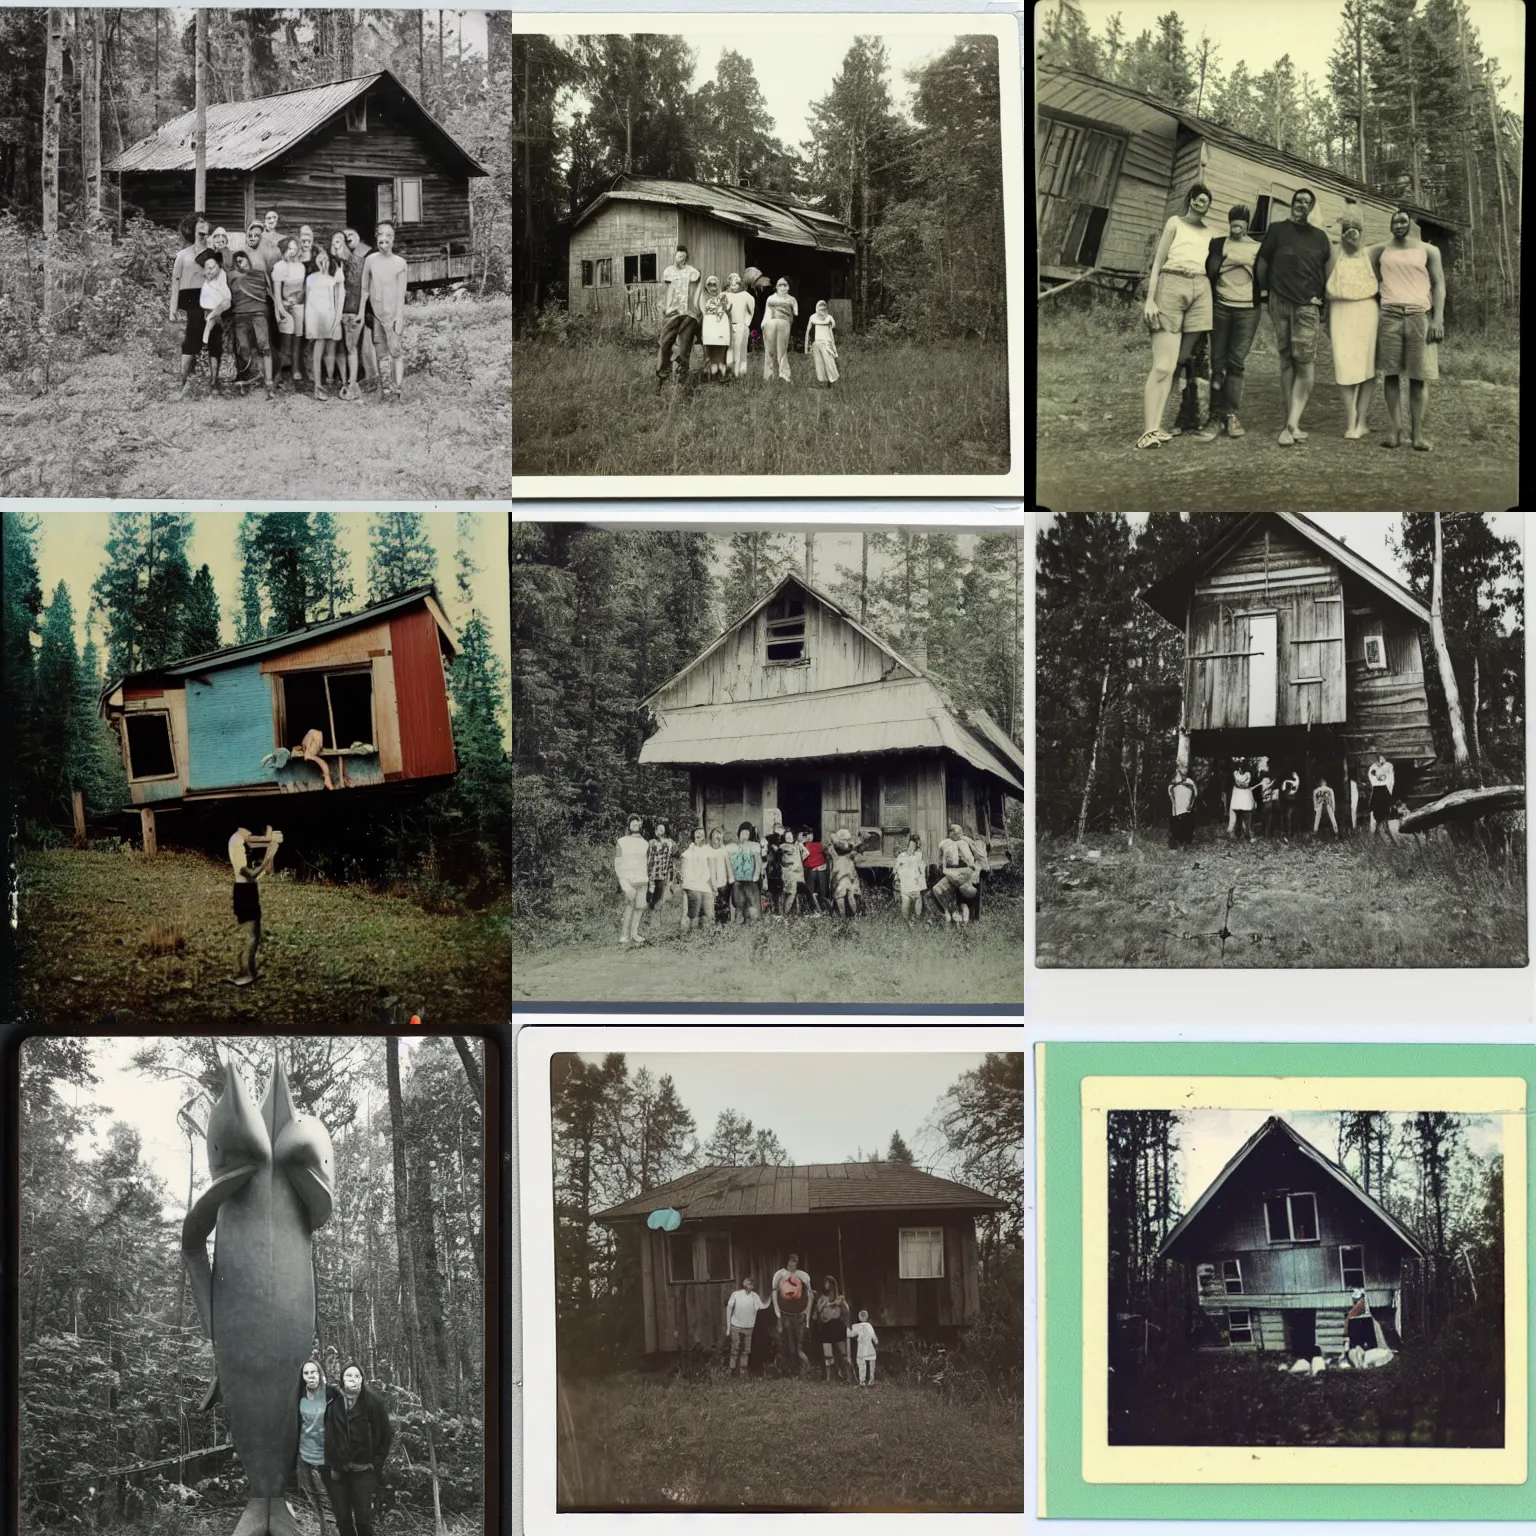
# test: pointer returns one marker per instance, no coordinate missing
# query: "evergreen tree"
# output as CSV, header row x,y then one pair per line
x,y
735,141
20,620
99,771
767,1150
281,546
732,1142
400,555
58,685
899,1151
757,561
144,588
248,622
202,622
332,590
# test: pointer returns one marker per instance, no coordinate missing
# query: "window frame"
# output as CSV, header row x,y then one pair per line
x,y
357,116
1345,1269
640,258
1372,631
602,272
786,630
1290,1220
1068,149
401,183
588,274
170,739
355,669
903,1231
1226,1279
1245,1313
699,1248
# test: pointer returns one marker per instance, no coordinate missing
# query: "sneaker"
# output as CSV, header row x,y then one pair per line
x,y
1234,426
1210,431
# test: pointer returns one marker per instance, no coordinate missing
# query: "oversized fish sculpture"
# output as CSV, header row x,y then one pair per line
x,y
272,1179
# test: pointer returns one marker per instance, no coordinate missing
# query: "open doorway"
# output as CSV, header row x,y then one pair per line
x,y
365,206
1301,1332
800,803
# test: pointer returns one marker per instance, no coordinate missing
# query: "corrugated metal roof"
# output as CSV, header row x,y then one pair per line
x,y
769,220
243,135
798,1190
903,714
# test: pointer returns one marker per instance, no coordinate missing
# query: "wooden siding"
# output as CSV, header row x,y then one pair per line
x,y
173,703
426,736
716,249
165,197
1387,709
1134,227
1188,168
229,724
619,229
386,716
356,647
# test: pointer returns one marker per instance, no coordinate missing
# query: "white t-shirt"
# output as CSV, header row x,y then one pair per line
x,y
822,327
741,305
743,1307
867,1337
1381,773
909,873
719,867
679,281
1190,247
694,865
631,860
1183,793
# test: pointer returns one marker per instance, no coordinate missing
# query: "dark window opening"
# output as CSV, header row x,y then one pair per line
x,y
786,628
586,274
1352,1266
1232,1276
1078,169
680,1255
641,268
149,746
1304,1218
954,796
1276,1219
1260,224
869,801
896,812
1240,1327
698,1256
352,708
339,705
1093,233
357,116
717,1255
304,707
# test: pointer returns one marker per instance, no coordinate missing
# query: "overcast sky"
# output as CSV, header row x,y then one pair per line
x,y
1306,29
823,1108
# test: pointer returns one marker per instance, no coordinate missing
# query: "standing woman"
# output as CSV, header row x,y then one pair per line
x,y
315,1396
1178,306
1353,316
288,295
322,317
186,284
741,304
778,318
715,328
832,1316
358,1433
629,865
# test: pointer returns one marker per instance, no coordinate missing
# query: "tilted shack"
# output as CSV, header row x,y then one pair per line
x,y
353,152
626,237
220,726
1277,1243
901,1242
1112,164
1296,646
797,706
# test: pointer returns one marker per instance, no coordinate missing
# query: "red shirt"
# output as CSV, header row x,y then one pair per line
x,y
814,858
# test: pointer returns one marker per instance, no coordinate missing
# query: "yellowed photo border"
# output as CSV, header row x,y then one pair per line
x,y
1104,1463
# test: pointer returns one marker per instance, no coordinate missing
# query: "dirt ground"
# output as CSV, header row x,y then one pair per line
x,y
111,425
1089,417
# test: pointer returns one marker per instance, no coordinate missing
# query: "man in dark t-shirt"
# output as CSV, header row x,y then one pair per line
x,y
357,318
248,290
1290,271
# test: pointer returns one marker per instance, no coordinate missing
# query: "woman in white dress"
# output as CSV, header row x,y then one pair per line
x,y
1353,313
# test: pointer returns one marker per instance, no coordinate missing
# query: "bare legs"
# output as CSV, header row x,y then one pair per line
x,y
1298,380
1165,358
1357,405
1417,394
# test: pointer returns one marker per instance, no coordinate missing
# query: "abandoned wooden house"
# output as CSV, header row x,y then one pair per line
x,y
1112,164
353,152
901,1242
1297,648
797,707
227,725
1278,1242
626,237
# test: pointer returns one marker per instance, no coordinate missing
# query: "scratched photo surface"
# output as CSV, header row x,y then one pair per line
x,y
788,1282
1280,740
207,1221
261,767
1306,1278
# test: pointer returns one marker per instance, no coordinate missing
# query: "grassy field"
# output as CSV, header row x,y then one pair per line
x,y
665,1443
111,425
1309,903
171,1521
1093,363
592,408
330,955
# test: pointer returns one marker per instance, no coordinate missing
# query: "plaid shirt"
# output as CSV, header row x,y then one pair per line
x,y
658,858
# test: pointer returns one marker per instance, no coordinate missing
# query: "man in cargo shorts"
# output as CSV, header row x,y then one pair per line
x,y
384,288
1290,271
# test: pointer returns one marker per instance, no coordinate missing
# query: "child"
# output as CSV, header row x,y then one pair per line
x,y
1241,812
740,305
909,879
1182,794
214,301
773,868
845,874
322,317
864,1332
1322,804
821,344
815,867
288,296
746,860
698,883
720,875
629,866
1290,789
792,863
1264,798
715,328
248,898
741,1309
659,853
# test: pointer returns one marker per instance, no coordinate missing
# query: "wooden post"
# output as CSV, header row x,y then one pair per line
x,y
147,827
77,803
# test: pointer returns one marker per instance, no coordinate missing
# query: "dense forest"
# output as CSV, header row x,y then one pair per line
x,y
600,620
112,1350
1109,670
923,193
1409,108
150,608
619,1133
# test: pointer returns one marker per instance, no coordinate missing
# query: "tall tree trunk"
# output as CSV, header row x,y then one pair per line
x,y
1093,761
1477,687
421,57
1360,88
864,232
425,1260
345,63
863,578
810,556
441,77
471,1069
88,38
200,87
1498,162
52,102
1443,657
248,57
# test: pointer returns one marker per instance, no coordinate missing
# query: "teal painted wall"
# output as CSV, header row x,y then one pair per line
x,y
161,789
299,776
229,728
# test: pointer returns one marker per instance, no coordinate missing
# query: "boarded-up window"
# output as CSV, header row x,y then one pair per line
x,y
1352,1266
1232,1276
586,274
786,628
896,812
1240,1327
920,1253
149,746
641,268
1075,187
698,1256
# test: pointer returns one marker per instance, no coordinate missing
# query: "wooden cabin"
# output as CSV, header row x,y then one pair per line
x,y
1278,1241
223,725
901,1242
354,152
1297,648
1113,164
626,237
798,707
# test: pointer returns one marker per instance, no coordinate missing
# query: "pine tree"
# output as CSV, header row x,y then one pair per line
x,y
248,623
899,1151
281,546
20,620
201,634
400,555
757,561
58,685
332,589
732,1141
99,770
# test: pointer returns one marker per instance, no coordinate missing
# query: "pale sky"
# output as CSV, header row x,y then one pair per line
x,y
823,1108
1305,29
1210,1138
471,22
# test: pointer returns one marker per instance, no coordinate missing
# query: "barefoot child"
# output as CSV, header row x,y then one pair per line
x,y
322,318
909,879
248,898
821,343
629,866
288,297
864,1333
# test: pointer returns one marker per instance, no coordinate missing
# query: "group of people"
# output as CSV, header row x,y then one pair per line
x,y
785,873
1385,314
697,309
344,1437
799,1309
1256,800
322,310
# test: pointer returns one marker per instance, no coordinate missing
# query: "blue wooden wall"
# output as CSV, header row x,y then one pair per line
x,y
229,727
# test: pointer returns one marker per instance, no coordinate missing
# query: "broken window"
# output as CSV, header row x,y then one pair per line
x,y
1352,1266
149,745
1240,1327
1290,1218
586,274
1232,1276
337,704
786,628
640,269
698,1256
1375,645
920,1253
1304,1218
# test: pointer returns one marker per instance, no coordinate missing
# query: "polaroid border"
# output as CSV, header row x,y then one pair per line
x,y
1071,1078
1006,23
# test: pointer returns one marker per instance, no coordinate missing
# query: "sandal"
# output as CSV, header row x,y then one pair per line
x,y
1162,436
1149,440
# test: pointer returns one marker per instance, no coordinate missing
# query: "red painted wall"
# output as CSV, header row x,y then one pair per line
x,y
426,739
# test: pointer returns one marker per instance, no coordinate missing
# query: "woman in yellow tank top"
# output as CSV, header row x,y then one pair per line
x,y
1178,306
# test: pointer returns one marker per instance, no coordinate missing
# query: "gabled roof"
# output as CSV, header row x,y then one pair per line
x,y
764,1190
1275,1126
1170,595
764,216
1257,149
209,661
244,135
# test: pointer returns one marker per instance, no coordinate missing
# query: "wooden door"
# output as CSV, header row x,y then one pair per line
x,y
1262,676
1077,172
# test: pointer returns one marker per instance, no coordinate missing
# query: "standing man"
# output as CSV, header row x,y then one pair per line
x,y
356,317
1291,272
681,317
1235,321
384,288
1383,782
248,898
1183,792
1412,322
741,1309
791,1306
